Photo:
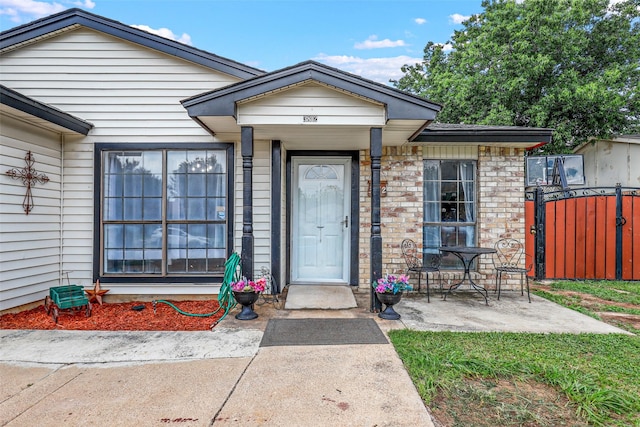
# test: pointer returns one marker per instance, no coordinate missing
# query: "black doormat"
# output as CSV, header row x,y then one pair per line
x,y
283,332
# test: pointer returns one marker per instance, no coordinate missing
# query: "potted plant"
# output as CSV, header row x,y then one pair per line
x,y
389,291
246,293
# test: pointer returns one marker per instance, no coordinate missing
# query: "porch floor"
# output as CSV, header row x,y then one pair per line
x,y
327,297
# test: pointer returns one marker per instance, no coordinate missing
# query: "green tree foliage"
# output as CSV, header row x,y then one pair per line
x,y
570,65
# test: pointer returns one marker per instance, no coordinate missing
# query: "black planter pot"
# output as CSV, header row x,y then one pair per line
x,y
246,299
389,300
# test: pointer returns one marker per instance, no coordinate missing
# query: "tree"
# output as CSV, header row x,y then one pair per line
x,y
570,65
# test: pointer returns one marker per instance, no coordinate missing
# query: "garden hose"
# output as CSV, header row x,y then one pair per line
x,y
225,296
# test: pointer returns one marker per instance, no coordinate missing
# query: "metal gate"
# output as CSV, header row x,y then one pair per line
x,y
586,233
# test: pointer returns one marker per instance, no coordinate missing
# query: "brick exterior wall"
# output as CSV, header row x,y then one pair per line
x,y
500,190
400,209
501,211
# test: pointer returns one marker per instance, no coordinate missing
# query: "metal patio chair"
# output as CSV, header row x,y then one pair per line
x,y
508,259
421,263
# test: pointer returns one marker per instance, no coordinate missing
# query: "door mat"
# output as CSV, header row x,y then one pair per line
x,y
284,332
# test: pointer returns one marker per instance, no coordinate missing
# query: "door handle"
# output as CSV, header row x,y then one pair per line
x,y
346,221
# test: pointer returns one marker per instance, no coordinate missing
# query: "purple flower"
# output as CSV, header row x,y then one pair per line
x,y
392,284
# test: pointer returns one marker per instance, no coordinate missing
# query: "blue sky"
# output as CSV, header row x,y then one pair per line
x,y
371,38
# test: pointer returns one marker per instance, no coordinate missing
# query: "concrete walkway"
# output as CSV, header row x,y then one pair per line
x,y
223,377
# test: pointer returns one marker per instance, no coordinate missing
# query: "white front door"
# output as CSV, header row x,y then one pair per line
x,y
320,220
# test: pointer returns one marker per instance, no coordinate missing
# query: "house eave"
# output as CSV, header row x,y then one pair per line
x,y
471,134
71,18
399,105
30,106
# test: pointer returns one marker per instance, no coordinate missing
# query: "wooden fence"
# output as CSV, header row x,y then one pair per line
x,y
586,233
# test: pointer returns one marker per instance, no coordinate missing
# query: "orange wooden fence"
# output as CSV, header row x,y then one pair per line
x,y
586,236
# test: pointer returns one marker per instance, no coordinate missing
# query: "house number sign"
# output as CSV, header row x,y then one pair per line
x,y
383,188
29,178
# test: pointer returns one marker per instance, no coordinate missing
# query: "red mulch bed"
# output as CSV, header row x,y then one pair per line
x,y
120,317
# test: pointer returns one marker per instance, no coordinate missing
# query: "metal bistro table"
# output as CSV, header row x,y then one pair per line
x,y
467,255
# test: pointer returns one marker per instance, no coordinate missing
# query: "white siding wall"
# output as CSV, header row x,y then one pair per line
x,y
607,163
29,244
283,221
261,204
130,93
450,152
331,107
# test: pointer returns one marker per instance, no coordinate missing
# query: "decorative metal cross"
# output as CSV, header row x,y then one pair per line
x,y
29,177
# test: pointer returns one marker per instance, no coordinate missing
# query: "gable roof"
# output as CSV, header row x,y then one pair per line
x,y
72,18
24,104
400,105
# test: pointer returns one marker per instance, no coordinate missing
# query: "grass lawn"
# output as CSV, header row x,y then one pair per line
x,y
614,302
521,379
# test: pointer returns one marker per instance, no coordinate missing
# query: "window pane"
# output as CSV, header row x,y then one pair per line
x,y
177,237
216,209
152,209
176,161
196,210
113,237
432,236
449,202
133,185
113,186
216,185
112,209
198,236
152,162
449,171
152,186
195,185
132,209
467,212
113,261
177,265
431,170
133,236
217,236
177,208
177,186
193,238
153,236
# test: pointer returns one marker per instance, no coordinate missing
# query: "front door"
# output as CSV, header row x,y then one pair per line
x,y
321,206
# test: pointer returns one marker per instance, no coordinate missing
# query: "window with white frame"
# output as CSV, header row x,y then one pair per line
x,y
449,206
164,211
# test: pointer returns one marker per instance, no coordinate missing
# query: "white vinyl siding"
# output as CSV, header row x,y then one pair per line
x,y
261,204
451,152
29,244
329,106
131,94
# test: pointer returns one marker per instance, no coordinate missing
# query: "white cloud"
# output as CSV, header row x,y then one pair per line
x,y
86,4
380,70
373,43
166,33
26,10
446,47
420,21
456,18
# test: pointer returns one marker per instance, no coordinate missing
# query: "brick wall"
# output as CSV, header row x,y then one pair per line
x,y
400,210
500,210
501,195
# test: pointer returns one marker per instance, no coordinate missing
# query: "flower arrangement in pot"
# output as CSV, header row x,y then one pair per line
x,y
246,293
389,291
